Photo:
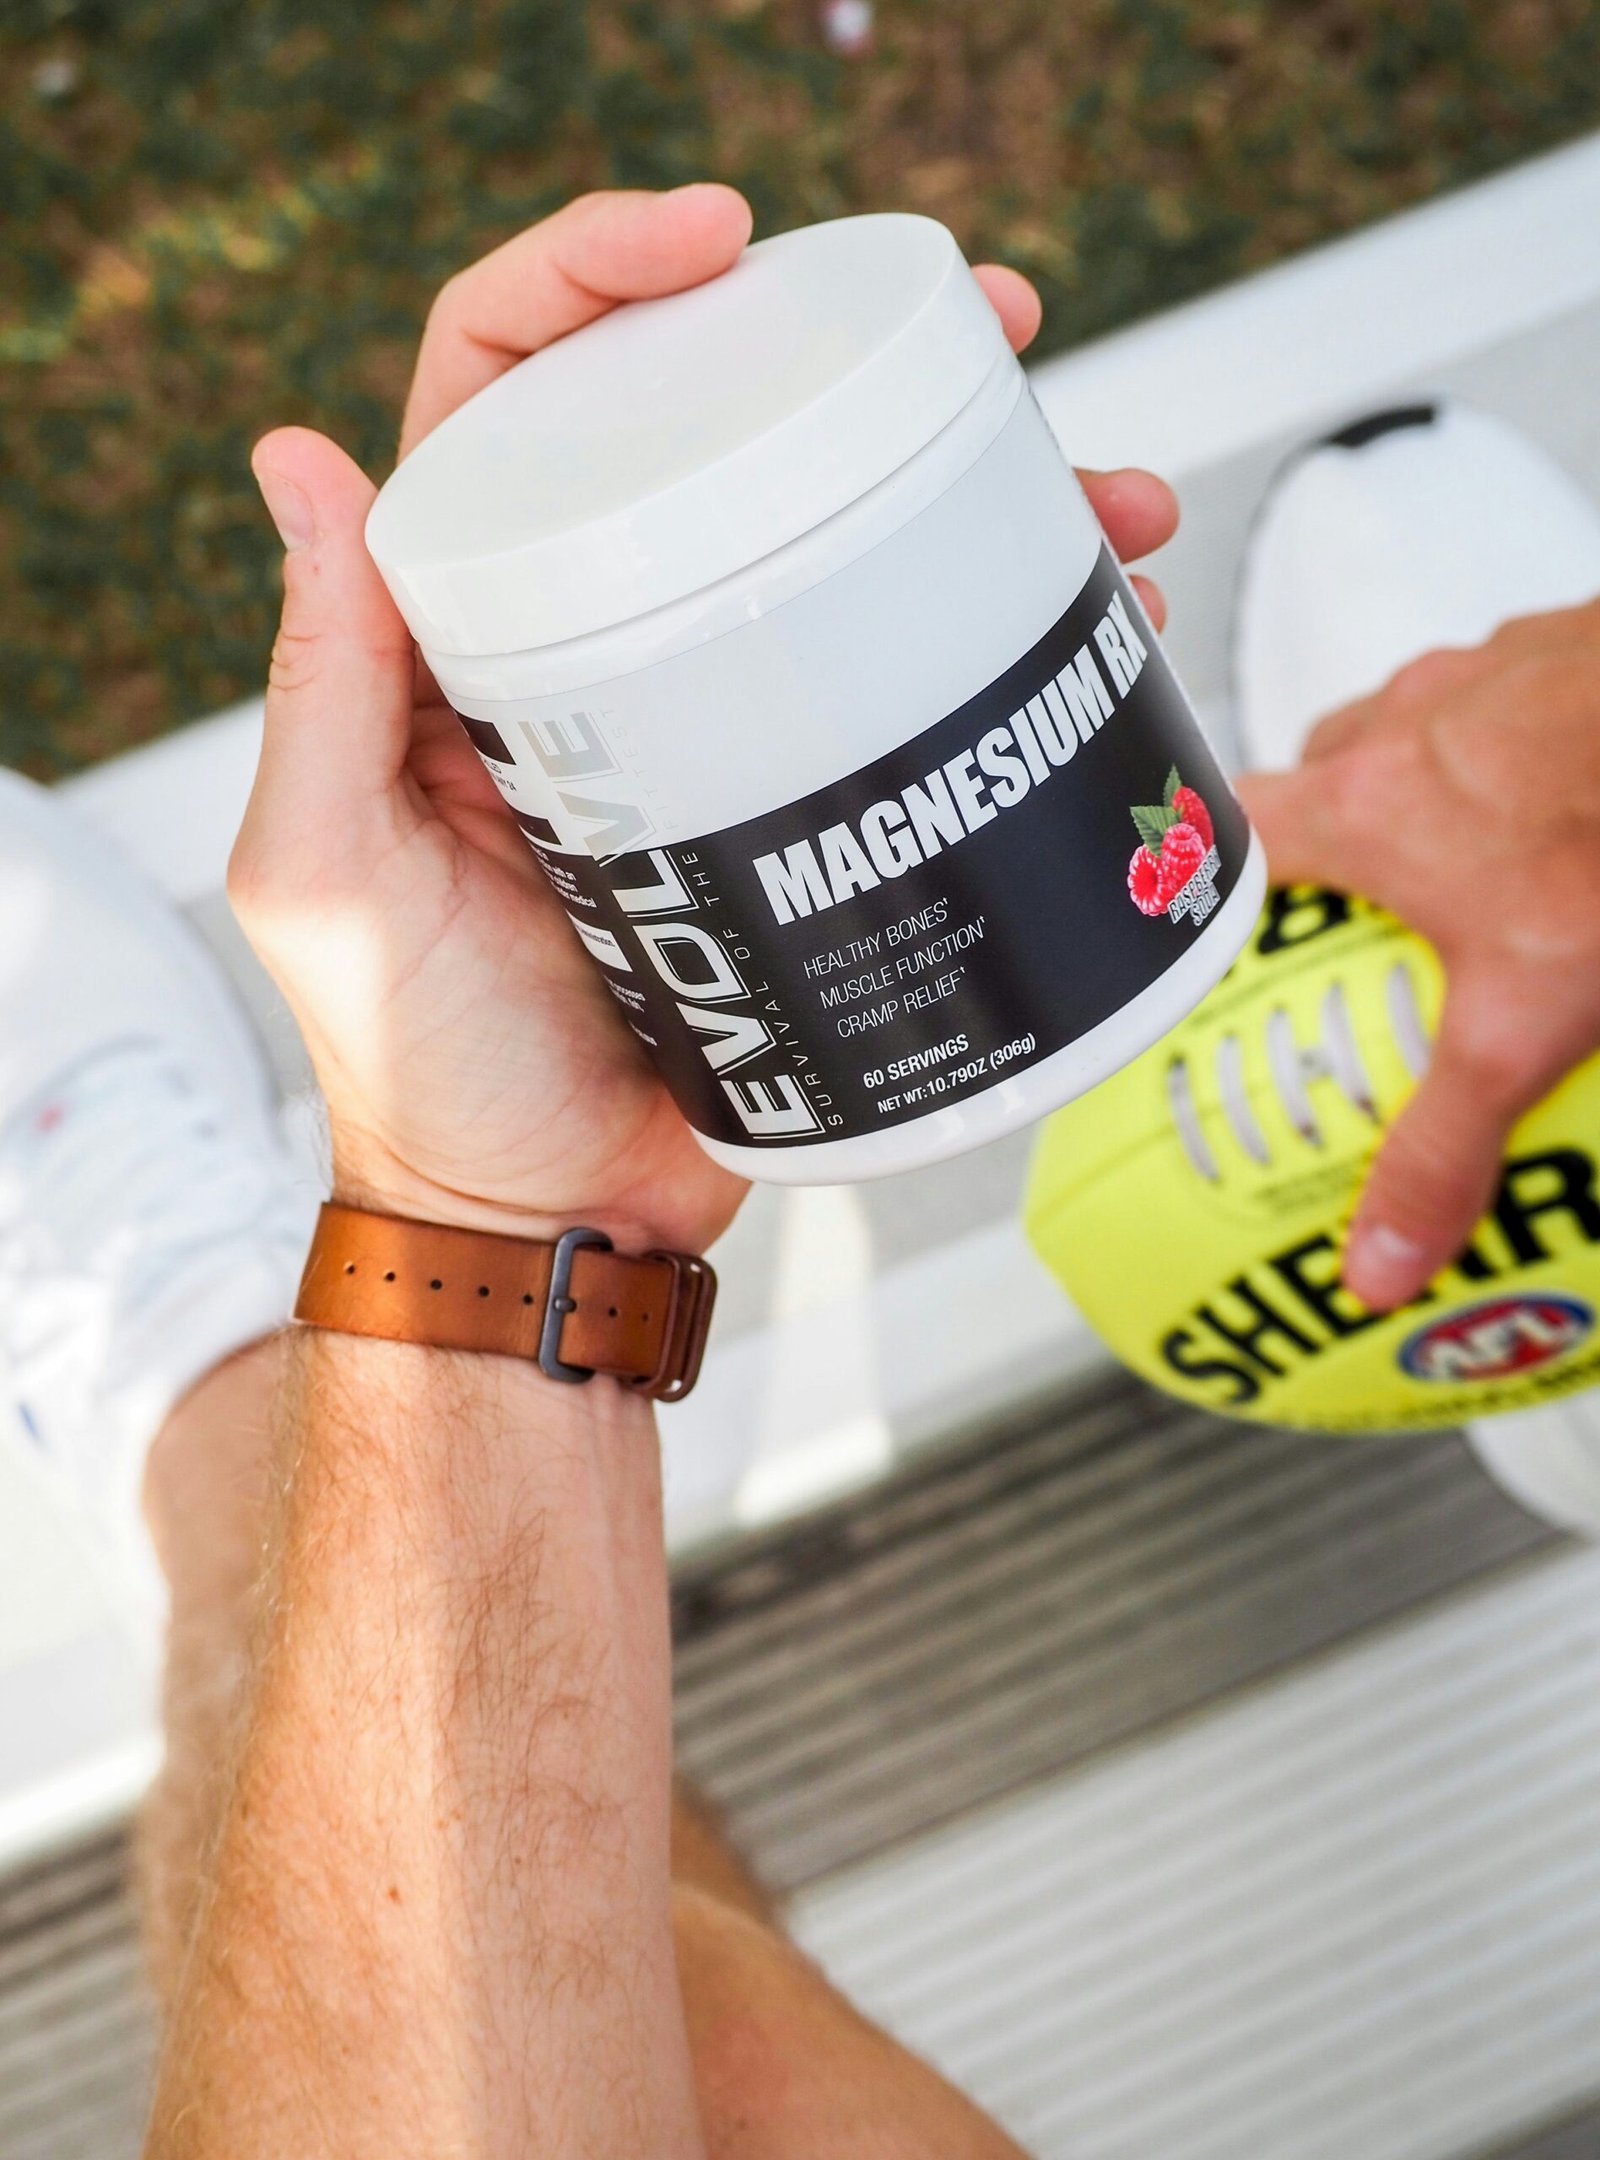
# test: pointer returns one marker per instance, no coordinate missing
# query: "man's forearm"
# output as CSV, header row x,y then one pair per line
x,y
438,1916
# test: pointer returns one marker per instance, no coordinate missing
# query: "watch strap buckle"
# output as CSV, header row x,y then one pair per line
x,y
559,1301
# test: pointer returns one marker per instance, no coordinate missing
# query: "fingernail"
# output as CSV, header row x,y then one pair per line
x,y
1382,1267
289,507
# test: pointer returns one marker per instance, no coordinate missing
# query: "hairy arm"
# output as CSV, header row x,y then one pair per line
x,y
437,1917
436,1920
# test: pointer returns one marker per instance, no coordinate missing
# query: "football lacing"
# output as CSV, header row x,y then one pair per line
x,y
1335,1056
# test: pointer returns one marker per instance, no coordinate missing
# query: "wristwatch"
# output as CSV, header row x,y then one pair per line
x,y
576,1307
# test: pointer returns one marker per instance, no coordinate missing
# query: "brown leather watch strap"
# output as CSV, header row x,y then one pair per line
x,y
575,1307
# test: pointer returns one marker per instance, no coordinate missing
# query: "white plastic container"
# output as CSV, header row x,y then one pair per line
x,y
790,638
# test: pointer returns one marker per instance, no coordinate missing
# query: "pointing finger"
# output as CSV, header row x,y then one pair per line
x,y
1305,843
1434,1177
1504,1040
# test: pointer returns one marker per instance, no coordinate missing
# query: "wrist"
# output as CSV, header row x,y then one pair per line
x,y
384,1186
573,1305
367,1175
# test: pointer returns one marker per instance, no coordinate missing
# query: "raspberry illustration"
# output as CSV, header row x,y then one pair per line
x,y
1182,853
1192,810
1177,840
1144,883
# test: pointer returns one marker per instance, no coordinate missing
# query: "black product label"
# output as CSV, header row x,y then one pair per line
x,y
971,902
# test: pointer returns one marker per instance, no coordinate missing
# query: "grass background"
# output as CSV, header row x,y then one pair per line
x,y
219,218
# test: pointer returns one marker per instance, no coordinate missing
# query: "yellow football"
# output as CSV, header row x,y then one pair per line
x,y
1194,1206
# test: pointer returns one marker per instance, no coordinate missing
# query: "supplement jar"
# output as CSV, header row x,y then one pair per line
x,y
796,650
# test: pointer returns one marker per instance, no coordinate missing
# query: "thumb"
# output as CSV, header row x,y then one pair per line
x,y
340,692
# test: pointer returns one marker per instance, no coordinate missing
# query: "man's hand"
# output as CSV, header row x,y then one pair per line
x,y
475,1069
1464,797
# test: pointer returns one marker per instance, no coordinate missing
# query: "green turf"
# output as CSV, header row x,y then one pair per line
x,y
223,217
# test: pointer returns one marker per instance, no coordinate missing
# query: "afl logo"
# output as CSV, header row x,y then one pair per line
x,y
1501,1337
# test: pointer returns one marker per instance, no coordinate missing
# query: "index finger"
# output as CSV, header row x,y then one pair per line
x,y
583,260
1290,812
561,274
1322,824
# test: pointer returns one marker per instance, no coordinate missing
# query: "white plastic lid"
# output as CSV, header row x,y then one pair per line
x,y
676,441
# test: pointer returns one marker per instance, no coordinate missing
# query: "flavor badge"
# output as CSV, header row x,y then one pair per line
x,y
1174,868
1496,1339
